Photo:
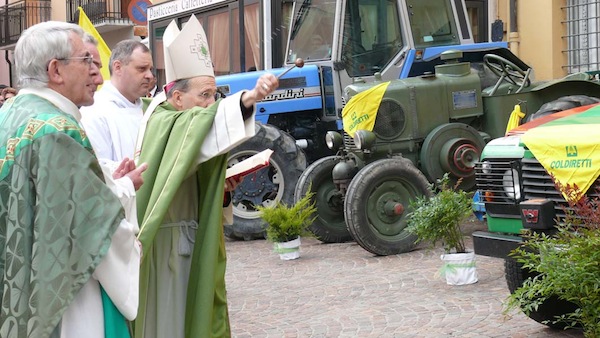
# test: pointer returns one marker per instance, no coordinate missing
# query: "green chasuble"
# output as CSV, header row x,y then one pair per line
x,y
57,215
171,145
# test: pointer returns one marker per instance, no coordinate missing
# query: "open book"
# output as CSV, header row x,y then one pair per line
x,y
249,165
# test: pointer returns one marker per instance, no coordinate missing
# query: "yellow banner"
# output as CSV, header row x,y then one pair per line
x,y
569,152
103,49
360,112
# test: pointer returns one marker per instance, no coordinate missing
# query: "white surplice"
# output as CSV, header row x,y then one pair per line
x,y
112,123
118,272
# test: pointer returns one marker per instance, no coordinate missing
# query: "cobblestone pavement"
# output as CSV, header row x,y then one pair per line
x,y
341,290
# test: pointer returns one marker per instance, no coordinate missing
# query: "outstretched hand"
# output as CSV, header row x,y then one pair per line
x,y
128,168
265,85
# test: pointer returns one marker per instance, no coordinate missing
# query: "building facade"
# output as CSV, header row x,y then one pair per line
x,y
555,37
112,18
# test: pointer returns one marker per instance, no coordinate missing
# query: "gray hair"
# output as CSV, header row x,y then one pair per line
x,y
89,38
181,85
37,46
123,51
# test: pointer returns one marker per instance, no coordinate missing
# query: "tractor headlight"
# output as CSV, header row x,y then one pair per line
x,y
511,184
364,139
333,140
486,167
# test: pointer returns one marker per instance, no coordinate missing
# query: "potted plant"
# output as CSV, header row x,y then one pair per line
x,y
286,224
563,264
438,219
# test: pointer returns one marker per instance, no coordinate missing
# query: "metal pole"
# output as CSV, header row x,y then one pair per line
x,y
242,36
513,16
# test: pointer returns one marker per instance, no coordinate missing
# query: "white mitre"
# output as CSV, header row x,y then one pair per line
x,y
186,51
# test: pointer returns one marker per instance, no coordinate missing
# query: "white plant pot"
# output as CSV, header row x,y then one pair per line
x,y
459,268
288,250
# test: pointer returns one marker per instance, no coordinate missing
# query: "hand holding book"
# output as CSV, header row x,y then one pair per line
x,y
249,165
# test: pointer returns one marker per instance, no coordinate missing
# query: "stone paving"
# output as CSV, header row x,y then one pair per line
x,y
341,290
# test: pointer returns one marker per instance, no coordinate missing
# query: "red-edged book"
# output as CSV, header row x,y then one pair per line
x,y
249,165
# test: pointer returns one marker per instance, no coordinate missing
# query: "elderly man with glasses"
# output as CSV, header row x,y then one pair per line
x,y
69,260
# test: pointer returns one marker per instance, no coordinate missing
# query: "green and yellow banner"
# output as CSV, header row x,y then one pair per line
x,y
569,148
360,112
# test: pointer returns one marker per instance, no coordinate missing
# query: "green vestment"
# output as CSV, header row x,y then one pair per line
x,y
171,145
57,215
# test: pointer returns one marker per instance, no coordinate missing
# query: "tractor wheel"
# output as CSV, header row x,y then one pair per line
x,y
266,186
563,103
378,202
553,307
329,226
452,148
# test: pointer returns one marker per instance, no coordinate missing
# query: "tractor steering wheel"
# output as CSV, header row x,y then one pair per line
x,y
507,71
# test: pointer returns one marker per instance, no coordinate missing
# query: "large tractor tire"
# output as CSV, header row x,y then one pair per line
x,y
378,202
266,186
552,308
329,226
563,103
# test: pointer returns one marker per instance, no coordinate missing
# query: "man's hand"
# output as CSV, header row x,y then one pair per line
x,y
231,183
124,167
265,85
127,168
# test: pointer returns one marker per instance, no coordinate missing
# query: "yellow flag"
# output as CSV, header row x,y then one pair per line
x,y
515,118
103,49
360,112
569,152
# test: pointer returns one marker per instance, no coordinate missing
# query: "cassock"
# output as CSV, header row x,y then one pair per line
x,y
112,123
69,260
182,279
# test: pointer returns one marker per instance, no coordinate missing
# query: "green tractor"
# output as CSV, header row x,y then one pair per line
x,y
425,126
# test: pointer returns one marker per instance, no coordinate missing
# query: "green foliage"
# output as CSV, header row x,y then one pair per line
x,y
567,265
285,223
438,219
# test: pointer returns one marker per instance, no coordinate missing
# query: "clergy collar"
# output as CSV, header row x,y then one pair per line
x,y
56,99
117,98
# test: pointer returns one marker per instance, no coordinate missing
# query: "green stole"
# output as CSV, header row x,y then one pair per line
x,y
57,215
115,324
171,145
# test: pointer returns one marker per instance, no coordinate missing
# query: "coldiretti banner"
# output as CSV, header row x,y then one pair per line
x,y
569,147
360,112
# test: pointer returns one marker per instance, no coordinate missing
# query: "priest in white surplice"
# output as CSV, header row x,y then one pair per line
x,y
185,138
113,121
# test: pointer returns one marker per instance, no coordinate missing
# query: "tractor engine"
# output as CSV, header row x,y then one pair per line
x,y
431,120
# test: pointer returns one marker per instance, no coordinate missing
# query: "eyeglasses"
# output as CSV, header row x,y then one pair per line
x,y
89,59
211,94
208,95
